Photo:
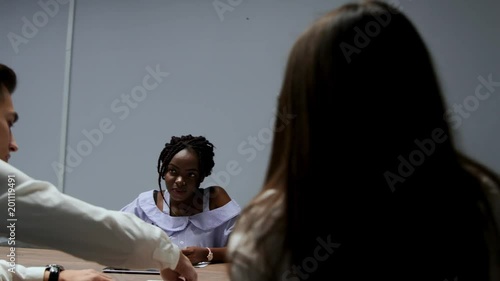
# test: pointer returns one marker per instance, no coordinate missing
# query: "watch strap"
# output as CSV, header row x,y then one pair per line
x,y
54,270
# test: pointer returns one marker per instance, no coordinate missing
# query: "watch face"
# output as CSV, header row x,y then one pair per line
x,y
54,270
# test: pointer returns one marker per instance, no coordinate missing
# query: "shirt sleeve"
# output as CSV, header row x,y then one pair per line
x,y
228,229
131,207
20,273
134,207
41,215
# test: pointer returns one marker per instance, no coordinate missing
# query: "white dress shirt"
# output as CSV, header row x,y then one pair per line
x,y
46,217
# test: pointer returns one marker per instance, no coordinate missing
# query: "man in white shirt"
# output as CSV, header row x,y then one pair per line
x,y
46,217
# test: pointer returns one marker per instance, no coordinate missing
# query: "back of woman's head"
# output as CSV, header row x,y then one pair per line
x,y
368,146
365,97
362,73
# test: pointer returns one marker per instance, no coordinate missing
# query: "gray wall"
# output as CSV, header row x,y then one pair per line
x,y
224,73
37,54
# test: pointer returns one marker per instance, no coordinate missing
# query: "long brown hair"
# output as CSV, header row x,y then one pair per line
x,y
370,154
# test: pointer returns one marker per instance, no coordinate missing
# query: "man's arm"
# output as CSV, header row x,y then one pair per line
x,y
19,272
46,217
49,218
22,273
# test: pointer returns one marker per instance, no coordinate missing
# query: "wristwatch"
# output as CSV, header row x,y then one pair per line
x,y
210,255
54,270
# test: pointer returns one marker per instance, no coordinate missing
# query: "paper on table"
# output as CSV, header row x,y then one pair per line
x,y
130,271
143,271
201,264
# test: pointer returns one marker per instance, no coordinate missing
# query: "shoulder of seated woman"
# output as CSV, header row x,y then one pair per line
x,y
218,197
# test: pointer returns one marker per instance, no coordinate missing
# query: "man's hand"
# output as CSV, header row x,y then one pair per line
x,y
82,275
183,271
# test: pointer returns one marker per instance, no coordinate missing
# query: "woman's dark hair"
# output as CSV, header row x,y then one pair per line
x,y
200,145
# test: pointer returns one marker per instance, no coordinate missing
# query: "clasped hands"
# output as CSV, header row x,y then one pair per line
x,y
196,254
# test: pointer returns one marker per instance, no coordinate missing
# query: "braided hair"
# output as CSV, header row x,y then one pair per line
x,y
200,145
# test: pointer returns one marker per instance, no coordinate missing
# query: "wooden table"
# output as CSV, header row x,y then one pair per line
x,y
42,257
